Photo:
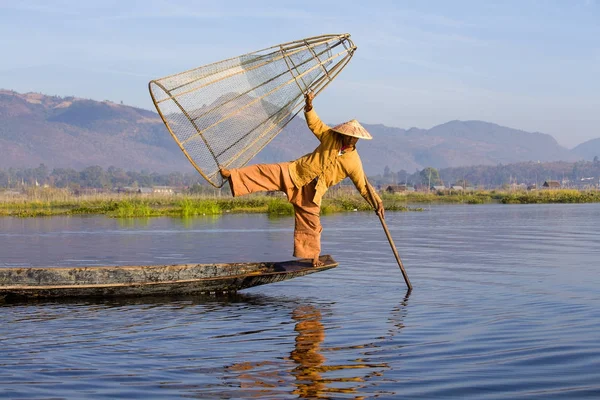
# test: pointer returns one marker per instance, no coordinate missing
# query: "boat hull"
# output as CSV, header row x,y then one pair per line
x,y
202,279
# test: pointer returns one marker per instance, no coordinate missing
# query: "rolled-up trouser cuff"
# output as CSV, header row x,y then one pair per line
x,y
307,244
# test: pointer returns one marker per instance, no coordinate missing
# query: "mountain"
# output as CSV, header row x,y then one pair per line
x,y
75,133
588,150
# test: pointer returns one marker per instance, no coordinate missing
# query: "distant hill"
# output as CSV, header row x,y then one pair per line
x,y
76,133
588,150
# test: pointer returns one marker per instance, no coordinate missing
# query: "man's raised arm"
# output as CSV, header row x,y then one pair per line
x,y
313,121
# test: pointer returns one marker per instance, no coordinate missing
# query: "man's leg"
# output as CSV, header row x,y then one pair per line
x,y
258,178
263,177
307,231
307,236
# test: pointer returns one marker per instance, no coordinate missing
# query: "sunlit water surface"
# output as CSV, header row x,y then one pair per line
x,y
506,304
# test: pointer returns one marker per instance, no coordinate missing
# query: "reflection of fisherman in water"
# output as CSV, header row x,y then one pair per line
x,y
313,378
262,378
306,352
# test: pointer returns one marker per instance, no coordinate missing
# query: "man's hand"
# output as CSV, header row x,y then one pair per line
x,y
308,98
379,210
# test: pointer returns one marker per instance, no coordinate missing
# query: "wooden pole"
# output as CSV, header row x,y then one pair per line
x,y
389,237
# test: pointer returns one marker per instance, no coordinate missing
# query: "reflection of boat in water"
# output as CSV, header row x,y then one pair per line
x,y
150,280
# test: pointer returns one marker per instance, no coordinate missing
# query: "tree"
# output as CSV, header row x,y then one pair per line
x,y
430,176
402,177
118,177
94,177
386,172
175,179
64,177
41,174
4,179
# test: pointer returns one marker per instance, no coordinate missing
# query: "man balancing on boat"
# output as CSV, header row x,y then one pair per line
x,y
306,179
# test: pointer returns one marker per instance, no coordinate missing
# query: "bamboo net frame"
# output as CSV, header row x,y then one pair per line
x,y
223,114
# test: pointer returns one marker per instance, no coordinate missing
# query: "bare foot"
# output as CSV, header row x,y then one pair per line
x,y
225,173
317,263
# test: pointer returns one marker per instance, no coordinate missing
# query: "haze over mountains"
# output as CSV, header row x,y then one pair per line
x,y
76,133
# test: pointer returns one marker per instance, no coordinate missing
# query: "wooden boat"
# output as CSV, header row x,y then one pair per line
x,y
202,279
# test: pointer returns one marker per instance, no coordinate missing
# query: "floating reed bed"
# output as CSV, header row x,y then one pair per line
x,y
49,202
552,196
544,196
479,197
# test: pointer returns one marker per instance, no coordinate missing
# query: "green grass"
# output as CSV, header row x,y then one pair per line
x,y
48,202
479,197
552,196
279,206
132,209
194,207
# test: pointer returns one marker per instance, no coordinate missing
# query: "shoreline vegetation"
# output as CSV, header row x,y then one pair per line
x,y
43,202
38,202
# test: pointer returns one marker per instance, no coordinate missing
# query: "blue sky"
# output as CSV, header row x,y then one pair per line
x,y
531,65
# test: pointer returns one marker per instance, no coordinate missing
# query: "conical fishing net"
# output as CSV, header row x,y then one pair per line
x,y
223,114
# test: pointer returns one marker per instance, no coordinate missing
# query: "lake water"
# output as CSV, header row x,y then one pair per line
x,y
506,305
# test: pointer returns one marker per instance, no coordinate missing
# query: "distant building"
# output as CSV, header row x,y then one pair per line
x,y
146,190
551,185
162,189
396,188
128,189
588,183
86,191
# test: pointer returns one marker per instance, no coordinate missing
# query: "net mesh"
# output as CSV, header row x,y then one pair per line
x,y
223,114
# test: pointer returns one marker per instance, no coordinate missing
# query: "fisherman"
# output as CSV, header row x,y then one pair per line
x,y
306,180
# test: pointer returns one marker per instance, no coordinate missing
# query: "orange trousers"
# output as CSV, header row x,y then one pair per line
x,y
266,177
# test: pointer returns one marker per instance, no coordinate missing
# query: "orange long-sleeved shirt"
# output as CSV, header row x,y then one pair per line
x,y
326,163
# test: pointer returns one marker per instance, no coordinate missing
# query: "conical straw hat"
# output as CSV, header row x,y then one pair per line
x,y
353,128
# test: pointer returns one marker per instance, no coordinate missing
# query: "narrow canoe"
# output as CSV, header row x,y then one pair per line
x,y
203,279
